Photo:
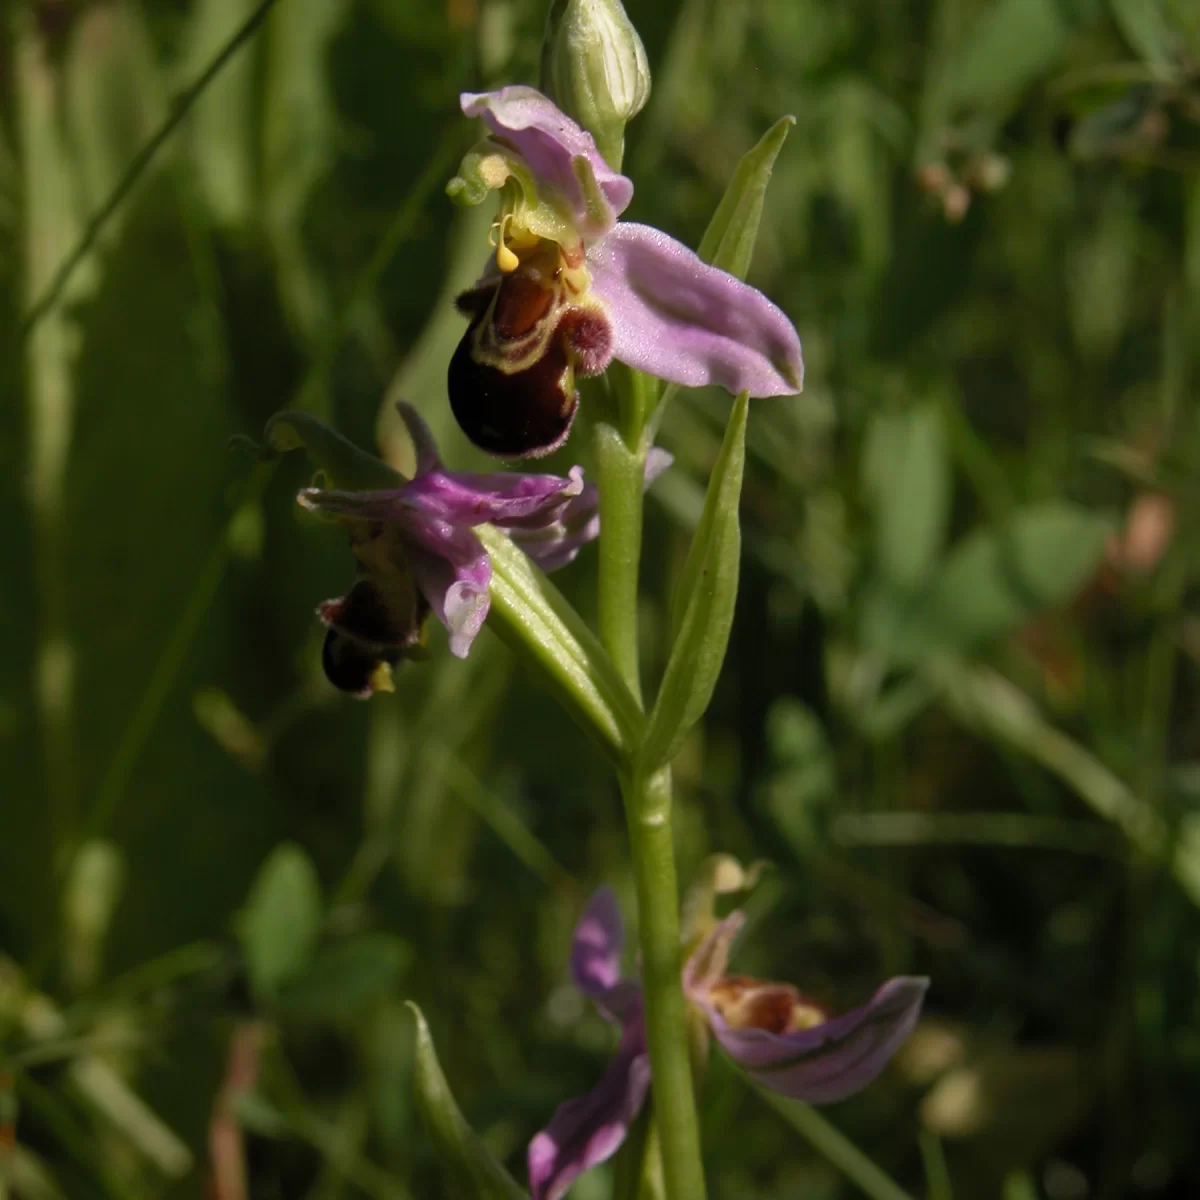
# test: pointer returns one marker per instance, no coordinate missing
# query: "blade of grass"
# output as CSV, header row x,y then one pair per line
x,y
96,224
832,1144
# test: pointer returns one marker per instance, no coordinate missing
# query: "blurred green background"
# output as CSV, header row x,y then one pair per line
x,y
959,715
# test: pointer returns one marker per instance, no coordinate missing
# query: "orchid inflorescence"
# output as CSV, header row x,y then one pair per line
x,y
571,294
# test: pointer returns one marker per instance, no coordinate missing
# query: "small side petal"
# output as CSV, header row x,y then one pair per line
x,y
527,501
675,317
834,1059
554,546
597,944
558,545
708,961
588,1130
458,498
549,141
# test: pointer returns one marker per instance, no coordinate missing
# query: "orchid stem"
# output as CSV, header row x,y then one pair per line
x,y
620,470
648,814
620,458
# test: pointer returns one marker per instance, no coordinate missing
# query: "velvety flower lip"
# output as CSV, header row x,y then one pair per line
x,y
416,549
569,288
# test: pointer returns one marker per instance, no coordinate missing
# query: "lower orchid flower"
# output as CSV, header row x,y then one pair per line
x,y
415,545
781,1039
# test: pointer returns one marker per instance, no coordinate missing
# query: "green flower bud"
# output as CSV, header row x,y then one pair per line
x,y
594,68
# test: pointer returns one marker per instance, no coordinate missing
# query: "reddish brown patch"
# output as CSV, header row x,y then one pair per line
x,y
747,1003
523,301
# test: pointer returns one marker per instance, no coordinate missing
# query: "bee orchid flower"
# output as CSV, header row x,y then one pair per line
x,y
781,1039
414,543
568,288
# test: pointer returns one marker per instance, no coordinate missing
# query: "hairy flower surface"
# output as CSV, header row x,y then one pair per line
x,y
415,545
781,1039
568,288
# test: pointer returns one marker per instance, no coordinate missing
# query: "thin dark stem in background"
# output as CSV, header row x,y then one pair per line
x,y
100,218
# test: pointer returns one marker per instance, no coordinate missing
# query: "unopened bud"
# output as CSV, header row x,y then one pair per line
x,y
594,68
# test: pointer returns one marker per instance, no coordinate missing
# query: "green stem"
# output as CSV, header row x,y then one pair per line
x,y
648,814
620,462
620,471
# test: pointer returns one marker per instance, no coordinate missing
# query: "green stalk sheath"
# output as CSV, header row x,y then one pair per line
x,y
621,473
648,814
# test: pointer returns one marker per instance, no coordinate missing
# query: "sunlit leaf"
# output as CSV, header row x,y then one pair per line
x,y
706,595
990,583
282,919
906,474
728,242
469,1168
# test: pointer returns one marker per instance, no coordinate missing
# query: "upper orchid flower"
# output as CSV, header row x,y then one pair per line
x,y
414,543
780,1038
569,288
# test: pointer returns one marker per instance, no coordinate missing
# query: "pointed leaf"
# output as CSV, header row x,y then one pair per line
x,y
221,128
990,584
995,580
298,145
728,241
907,479
704,605
470,1168
1145,28
1013,43
533,618
279,925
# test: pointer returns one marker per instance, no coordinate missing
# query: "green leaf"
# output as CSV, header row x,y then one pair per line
x,y
222,127
92,891
1145,28
1101,267
532,617
345,978
257,1114
728,242
282,918
991,584
470,1168
995,580
115,98
1014,43
906,474
704,605
299,136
